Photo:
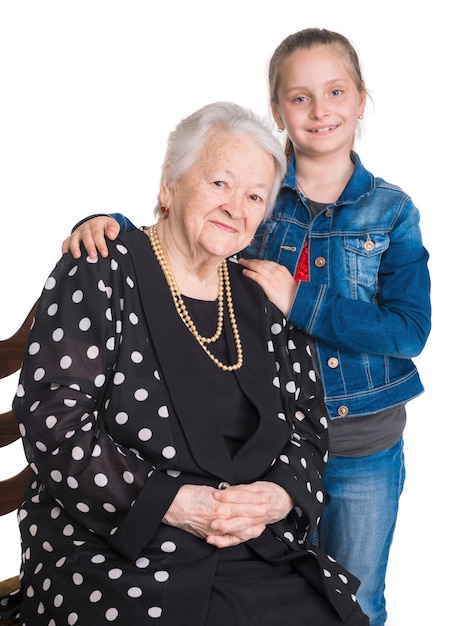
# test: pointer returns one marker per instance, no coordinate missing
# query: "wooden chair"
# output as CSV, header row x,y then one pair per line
x,y
12,489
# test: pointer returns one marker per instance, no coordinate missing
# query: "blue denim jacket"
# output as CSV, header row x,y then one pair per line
x,y
367,301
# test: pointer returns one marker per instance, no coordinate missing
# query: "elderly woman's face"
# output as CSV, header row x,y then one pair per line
x,y
218,204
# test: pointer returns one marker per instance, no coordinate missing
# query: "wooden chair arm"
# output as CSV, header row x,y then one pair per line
x,y
10,585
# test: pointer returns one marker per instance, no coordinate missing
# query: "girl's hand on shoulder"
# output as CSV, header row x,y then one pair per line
x,y
92,234
276,281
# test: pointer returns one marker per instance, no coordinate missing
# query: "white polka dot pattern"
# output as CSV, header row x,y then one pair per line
x,y
103,436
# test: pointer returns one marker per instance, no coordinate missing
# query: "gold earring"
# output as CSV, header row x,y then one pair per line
x,y
360,117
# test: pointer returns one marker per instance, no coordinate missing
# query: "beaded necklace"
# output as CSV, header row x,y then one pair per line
x,y
224,285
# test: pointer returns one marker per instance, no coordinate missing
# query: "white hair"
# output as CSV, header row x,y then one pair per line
x,y
191,134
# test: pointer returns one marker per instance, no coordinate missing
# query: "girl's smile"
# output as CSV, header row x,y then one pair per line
x,y
318,98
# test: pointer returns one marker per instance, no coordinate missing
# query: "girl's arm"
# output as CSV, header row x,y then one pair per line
x,y
398,321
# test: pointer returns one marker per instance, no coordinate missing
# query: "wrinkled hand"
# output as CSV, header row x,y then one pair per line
x,y
276,281
92,233
230,516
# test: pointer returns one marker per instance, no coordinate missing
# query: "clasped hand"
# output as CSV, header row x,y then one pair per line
x,y
230,516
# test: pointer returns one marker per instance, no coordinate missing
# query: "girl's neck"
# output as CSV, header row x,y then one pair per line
x,y
324,178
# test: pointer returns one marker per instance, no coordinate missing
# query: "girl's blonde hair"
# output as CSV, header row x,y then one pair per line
x,y
306,39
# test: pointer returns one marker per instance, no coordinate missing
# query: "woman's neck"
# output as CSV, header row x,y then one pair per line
x,y
195,277
323,178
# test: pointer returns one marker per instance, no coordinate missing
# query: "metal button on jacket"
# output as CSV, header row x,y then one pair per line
x,y
319,261
368,245
333,362
343,411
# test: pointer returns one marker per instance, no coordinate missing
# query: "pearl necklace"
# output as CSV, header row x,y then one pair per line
x,y
223,275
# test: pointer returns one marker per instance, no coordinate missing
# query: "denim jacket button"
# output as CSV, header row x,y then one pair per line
x,y
328,213
333,362
343,411
319,261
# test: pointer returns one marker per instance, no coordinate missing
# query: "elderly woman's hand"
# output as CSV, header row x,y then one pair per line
x,y
92,233
231,516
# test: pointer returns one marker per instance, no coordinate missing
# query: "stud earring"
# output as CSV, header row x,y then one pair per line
x,y
164,210
360,117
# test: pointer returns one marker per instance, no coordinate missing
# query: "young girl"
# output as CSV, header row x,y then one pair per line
x,y
342,257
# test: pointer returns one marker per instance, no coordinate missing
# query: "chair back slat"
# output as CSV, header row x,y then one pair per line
x,y
12,349
8,429
11,356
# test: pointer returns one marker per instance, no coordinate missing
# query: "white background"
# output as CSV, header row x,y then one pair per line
x,y
88,93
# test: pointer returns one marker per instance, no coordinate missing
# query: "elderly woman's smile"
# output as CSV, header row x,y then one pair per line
x,y
216,206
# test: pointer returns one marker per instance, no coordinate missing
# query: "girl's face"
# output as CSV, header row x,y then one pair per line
x,y
219,202
318,102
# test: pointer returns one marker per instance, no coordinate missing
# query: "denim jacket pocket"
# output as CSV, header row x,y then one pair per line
x,y
362,259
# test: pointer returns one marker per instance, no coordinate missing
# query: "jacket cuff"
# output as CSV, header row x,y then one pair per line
x,y
143,519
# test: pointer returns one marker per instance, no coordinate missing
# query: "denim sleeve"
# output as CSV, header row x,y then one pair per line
x,y
123,222
398,322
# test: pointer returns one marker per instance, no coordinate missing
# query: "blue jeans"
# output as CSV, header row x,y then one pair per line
x,y
359,520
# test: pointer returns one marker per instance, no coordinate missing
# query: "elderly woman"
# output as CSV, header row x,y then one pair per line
x,y
165,408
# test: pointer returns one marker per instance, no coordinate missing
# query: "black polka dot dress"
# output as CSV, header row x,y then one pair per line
x,y
118,407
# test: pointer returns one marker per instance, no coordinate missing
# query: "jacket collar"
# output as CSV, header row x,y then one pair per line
x,y
184,378
361,183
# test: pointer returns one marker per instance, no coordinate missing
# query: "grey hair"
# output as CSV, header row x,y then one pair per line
x,y
189,138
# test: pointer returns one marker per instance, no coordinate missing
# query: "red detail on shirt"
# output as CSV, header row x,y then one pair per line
x,y
302,271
